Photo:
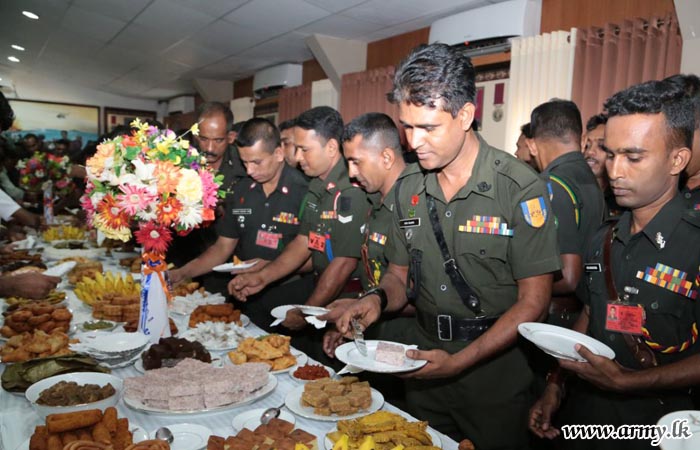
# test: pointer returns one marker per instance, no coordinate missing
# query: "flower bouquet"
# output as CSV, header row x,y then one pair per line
x,y
42,167
154,181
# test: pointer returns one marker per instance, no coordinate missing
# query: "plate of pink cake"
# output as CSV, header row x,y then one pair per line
x,y
382,357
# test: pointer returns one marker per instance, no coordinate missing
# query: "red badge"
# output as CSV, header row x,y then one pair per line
x,y
317,241
627,319
414,200
267,239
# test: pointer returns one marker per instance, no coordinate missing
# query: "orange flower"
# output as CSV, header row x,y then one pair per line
x,y
168,211
208,214
111,214
167,176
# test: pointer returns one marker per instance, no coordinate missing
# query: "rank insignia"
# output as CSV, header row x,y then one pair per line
x,y
330,186
660,241
285,217
486,225
378,238
285,190
252,185
534,211
328,215
668,278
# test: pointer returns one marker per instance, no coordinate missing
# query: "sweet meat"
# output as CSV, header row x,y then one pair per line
x,y
392,354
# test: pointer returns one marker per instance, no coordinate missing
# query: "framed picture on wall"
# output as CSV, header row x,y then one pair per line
x,y
50,119
118,116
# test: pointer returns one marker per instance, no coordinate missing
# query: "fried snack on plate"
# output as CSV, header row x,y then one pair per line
x,y
272,349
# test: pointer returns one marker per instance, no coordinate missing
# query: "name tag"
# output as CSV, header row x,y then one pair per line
x,y
593,267
317,241
408,223
267,239
242,211
626,319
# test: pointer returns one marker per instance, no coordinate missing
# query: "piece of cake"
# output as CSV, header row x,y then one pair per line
x,y
392,354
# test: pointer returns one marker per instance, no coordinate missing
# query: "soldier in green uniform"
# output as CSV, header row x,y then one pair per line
x,y
691,178
493,214
331,219
372,147
645,266
259,220
595,157
577,201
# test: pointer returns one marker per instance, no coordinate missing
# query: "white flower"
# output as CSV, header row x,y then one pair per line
x,y
190,215
189,187
143,172
147,214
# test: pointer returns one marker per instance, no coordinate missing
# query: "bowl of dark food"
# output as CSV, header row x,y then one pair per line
x,y
74,392
170,351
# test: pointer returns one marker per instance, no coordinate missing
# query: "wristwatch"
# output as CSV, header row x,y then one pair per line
x,y
383,300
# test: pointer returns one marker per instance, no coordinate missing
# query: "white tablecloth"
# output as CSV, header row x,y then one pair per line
x,y
18,419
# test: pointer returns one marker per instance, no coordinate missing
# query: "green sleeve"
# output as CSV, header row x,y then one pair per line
x,y
347,237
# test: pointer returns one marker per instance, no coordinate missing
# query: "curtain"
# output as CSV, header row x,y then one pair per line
x,y
617,56
363,92
541,67
294,101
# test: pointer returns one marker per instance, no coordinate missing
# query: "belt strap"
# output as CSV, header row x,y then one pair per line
x,y
448,328
639,349
466,293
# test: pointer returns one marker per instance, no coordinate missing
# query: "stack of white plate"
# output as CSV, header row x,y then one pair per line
x,y
112,349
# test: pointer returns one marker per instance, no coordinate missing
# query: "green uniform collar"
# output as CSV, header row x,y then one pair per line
x,y
660,228
572,156
390,199
337,179
481,180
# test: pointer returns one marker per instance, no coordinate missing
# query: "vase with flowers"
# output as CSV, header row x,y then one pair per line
x,y
154,182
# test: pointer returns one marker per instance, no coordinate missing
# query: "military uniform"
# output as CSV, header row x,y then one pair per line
x,y
578,205
264,225
691,197
498,230
333,214
656,268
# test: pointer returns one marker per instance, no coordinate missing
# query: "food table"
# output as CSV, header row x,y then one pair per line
x,y
18,418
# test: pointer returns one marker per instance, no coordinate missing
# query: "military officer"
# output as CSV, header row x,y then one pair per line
x,y
577,201
260,219
645,266
476,241
331,219
595,157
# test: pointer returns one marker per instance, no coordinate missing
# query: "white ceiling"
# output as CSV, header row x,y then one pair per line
x,y
155,48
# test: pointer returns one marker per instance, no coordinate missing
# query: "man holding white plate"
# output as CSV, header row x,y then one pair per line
x,y
644,265
476,241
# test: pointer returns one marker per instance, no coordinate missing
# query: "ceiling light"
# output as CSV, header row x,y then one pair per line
x,y
13,59
30,14
17,47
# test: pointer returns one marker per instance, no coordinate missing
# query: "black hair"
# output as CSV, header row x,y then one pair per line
x,y
30,135
238,126
65,142
208,109
556,119
7,115
287,124
596,121
259,129
324,120
526,130
375,127
691,85
658,97
433,75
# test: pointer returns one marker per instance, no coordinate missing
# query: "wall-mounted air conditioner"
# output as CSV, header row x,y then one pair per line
x,y
277,77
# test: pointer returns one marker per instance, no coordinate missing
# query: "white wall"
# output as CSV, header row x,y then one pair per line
x,y
494,132
38,87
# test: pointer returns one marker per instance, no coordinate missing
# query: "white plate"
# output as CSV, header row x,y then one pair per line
x,y
300,356
251,419
60,269
260,393
331,373
437,442
230,267
693,442
110,328
138,365
280,312
349,354
113,342
293,402
187,436
193,334
121,255
559,342
139,434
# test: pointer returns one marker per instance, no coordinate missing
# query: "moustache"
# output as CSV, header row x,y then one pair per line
x,y
208,154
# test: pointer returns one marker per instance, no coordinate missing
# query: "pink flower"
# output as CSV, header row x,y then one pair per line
x,y
134,198
209,188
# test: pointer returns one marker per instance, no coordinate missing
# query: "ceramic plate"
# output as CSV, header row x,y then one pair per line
x,y
139,434
293,402
559,342
187,436
349,354
280,312
60,269
251,419
433,436
231,267
260,393
300,356
692,422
